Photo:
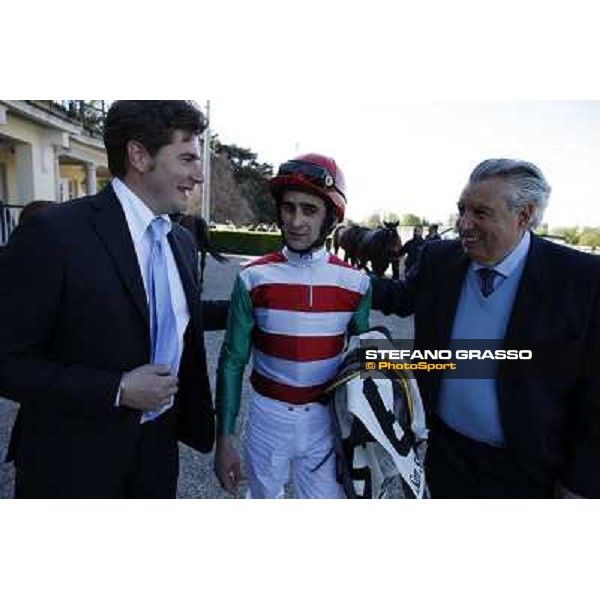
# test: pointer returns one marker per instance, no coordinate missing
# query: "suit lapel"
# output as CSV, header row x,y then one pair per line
x,y
186,273
530,297
111,225
453,274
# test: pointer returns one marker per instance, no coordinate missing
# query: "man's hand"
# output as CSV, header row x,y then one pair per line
x,y
227,464
148,387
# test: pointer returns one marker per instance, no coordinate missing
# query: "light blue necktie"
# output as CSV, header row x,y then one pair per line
x,y
163,330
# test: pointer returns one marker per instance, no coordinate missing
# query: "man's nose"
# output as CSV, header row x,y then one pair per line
x,y
465,222
297,218
198,176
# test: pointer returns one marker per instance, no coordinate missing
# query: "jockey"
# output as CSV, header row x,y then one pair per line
x,y
292,309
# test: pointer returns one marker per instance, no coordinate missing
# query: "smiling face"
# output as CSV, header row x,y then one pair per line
x,y
489,228
302,218
166,181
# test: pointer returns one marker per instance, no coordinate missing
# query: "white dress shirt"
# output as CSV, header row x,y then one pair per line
x,y
139,217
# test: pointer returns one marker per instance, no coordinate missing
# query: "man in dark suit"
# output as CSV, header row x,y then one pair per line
x,y
412,248
507,435
101,340
432,234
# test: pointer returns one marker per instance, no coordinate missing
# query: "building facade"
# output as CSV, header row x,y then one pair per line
x,y
49,150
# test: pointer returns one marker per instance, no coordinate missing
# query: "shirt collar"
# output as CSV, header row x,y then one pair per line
x,y
513,260
137,213
304,257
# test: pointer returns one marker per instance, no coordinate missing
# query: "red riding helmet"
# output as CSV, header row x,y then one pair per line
x,y
315,174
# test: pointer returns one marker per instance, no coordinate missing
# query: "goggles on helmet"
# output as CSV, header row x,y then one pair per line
x,y
313,173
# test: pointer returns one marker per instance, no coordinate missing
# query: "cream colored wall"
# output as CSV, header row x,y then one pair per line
x,y
95,155
77,174
31,169
7,158
41,141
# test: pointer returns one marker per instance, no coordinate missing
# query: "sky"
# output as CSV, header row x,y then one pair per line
x,y
415,156
408,98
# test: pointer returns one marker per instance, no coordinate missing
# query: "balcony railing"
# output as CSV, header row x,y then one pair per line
x,y
89,113
9,217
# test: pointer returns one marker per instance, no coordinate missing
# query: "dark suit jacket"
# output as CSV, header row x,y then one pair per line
x,y
74,317
551,423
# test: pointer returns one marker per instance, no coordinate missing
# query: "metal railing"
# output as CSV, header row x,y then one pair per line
x,y
9,218
90,113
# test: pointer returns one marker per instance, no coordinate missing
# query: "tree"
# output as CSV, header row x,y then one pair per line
x,y
227,201
590,236
391,217
373,221
251,177
570,234
410,220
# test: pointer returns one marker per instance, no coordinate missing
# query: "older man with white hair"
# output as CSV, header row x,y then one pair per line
x,y
535,434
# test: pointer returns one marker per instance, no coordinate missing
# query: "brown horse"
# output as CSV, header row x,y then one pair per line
x,y
362,246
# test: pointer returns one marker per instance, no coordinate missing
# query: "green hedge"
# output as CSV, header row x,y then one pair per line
x,y
248,243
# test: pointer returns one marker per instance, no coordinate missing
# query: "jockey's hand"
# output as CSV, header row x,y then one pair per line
x,y
228,467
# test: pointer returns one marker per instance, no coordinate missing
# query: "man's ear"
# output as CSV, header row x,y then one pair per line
x,y
138,157
526,215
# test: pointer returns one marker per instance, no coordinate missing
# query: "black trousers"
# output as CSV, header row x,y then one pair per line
x,y
459,467
146,468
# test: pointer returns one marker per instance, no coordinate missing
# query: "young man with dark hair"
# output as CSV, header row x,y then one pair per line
x,y
102,335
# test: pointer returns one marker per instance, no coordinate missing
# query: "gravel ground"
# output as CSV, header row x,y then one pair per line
x,y
196,478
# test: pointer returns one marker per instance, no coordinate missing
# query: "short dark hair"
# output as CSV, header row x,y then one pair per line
x,y
149,122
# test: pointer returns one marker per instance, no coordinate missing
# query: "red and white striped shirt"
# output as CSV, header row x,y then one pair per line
x,y
302,306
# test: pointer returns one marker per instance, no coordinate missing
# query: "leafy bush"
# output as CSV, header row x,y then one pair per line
x,y
248,243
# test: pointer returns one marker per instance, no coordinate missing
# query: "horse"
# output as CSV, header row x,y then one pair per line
x,y
362,245
200,231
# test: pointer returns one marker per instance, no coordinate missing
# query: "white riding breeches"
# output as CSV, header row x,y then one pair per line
x,y
283,438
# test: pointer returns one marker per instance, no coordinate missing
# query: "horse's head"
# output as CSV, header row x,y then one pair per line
x,y
393,243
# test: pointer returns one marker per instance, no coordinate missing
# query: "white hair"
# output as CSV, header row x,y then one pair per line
x,y
527,183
